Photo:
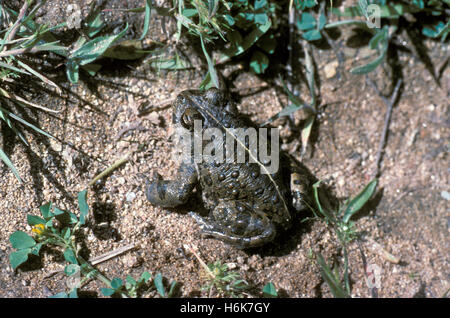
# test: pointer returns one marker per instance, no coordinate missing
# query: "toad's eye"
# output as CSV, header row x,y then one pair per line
x,y
189,116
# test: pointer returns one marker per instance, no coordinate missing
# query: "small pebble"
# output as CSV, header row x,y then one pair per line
x,y
130,196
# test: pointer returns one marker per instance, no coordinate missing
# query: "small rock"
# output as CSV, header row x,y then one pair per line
x,y
153,118
445,195
129,260
231,265
130,196
330,69
56,145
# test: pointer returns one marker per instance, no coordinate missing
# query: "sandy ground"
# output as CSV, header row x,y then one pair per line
x,y
101,120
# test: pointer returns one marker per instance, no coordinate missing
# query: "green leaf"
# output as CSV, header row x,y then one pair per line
x,y
69,256
206,82
175,63
84,208
289,110
269,290
145,277
107,291
116,283
189,13
259,4
379,41
171,289
72,71
93,49
19,257
322,21
259,62
158,281
246,43
64,217
302,4
369,67
71,269
35,249
20,240
211,68
130,280
212,7
73,218
434,30
148,11
19,119
379,38
11,166
359,23
325,213
13,68
312,35
294,99
229,19
261,18
358,202
306,21
65,233
46,211
94,21
34,220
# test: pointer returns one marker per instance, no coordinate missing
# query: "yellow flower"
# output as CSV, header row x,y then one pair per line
x,y
38,229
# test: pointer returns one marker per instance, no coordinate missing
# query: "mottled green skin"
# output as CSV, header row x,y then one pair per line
x,y
247,207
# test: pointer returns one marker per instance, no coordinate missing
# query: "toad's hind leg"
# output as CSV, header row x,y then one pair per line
x,y
171,193
235,224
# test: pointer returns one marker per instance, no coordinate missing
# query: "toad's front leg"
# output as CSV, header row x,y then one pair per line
x,y
171,193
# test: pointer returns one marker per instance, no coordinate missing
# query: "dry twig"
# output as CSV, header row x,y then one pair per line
x,y
390,105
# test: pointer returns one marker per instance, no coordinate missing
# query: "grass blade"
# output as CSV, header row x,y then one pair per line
x,y
11,166
328,276
13,68
19,119
38,75
211,69
158,281
148,11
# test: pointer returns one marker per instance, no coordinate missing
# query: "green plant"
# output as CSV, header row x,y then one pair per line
x,y
130,287
232,26
224,281
345,231
89,46
269,291
21,36
47,232
158,281
389,14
